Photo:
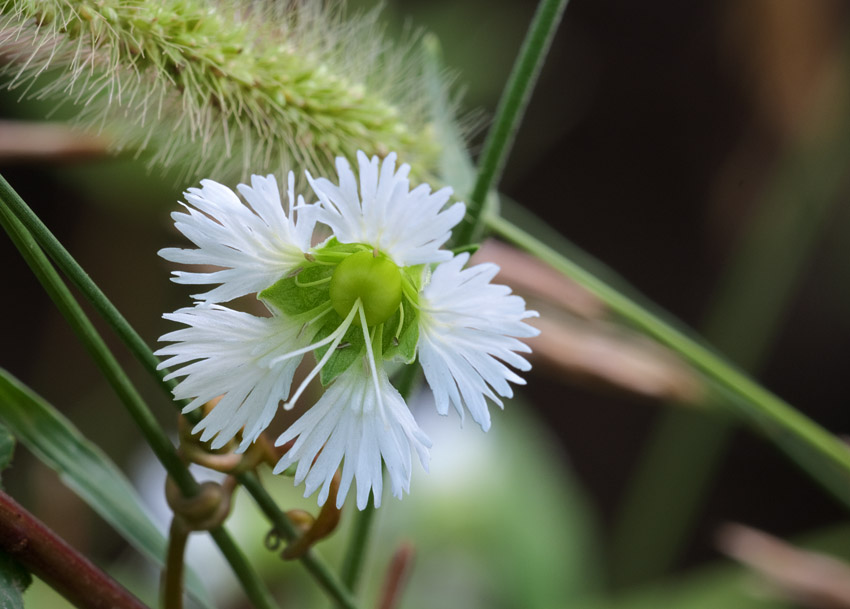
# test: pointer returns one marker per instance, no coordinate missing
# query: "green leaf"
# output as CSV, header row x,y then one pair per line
x,y
14,580
84,468
403,345
291,297
351,347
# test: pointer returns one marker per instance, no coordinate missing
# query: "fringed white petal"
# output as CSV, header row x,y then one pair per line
x,y
350,425
410,226
254,246
467,328
236,356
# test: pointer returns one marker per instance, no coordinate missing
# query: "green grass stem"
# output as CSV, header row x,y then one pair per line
x,y
509,114
111,369
820,453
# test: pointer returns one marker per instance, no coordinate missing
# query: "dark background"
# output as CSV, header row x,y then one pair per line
x,y
656,131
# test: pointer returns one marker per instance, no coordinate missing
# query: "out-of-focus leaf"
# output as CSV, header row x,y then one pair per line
x,y
725,586
7,447
14,580
498,521
713,588
85,469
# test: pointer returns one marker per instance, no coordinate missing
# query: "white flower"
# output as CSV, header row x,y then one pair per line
x,y
255,248
236,356
407,225
466,325
381,288
362,423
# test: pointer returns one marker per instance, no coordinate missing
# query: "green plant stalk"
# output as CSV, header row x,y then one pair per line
x,y
85,331
316,567
763,409
156,438
352,564
674,474
128,335
75,273
509,114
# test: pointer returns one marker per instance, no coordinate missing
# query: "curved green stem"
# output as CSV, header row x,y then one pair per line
x,y
316,567
798,434
172,575
100,353
509,114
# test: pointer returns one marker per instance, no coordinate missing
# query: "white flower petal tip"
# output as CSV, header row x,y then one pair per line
x,y
225,354
351,426
408,225
468,331
253,246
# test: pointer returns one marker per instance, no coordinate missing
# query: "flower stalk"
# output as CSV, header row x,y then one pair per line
x,y
172,575
352,565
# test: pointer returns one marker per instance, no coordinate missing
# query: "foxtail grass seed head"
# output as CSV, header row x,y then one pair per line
x,y
224,87
380,288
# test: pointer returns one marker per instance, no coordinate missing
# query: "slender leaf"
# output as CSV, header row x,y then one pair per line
x,y
84,468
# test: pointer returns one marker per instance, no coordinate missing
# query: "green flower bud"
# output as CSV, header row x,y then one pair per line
x,y
374,279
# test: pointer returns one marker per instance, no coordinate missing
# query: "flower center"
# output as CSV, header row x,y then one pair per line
x,y
374,279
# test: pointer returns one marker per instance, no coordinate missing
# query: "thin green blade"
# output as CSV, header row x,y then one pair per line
x,y
84,468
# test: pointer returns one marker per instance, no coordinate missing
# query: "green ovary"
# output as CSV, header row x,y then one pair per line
x,y
374,279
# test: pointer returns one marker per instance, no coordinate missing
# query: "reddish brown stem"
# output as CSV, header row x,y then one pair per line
x,y
397,574
41,551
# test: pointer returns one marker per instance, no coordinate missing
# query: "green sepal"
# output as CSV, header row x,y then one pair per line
x,y
416,275
344,356
470,248
404,348
333,246
290,298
